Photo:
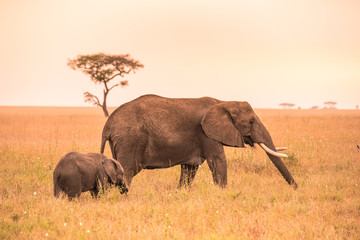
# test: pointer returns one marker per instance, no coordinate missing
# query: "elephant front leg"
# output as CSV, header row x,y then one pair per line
x,y
216,159
94,193
100,184
187,176
218,168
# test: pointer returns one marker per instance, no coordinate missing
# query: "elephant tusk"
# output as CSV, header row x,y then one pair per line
x,y
268,150
281,149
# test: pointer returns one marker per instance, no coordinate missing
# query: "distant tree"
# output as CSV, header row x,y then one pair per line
x,y
314,107
287,105
103,68
330,104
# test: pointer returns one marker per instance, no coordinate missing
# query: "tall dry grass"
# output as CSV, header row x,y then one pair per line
x,y
257,203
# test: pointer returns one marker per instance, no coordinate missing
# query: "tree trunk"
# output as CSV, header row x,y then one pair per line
x,y
106,113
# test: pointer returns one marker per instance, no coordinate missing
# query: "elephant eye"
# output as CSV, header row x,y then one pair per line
x,y
252,120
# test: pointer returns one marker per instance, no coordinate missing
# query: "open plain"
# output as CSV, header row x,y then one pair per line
x,y
324,159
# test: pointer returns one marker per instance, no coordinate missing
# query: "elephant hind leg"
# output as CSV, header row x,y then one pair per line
x,y
187,176
73,187
74,193
57,190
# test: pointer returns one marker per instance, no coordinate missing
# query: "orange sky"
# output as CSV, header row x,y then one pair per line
x,y
265,52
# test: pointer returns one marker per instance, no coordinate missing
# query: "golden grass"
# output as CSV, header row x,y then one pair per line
x,y
257,203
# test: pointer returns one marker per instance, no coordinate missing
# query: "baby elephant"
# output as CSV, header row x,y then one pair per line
x,y
80,172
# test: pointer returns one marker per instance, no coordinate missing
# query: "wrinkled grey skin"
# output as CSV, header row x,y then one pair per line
x,y
155,132
80,172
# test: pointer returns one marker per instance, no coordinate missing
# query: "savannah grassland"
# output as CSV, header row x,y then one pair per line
x,y
257,203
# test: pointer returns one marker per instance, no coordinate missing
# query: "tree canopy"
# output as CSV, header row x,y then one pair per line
x,y
103,68
287,105
330,104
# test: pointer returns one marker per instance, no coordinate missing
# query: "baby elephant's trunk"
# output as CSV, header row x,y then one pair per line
x,y
124,190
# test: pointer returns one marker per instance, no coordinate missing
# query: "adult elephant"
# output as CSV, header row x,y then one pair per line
x,y
156,132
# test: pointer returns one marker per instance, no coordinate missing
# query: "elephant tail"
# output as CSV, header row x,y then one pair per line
x,y
103,143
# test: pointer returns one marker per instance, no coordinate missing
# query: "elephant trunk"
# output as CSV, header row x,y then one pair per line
x,y
123,189
279,164
264,139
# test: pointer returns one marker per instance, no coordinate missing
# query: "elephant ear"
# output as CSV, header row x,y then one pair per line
x,y
109,167
218,124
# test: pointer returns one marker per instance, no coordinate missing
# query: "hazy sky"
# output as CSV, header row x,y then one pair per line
x,y
263,51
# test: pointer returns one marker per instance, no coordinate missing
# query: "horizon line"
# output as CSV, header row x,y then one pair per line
x,y
79,106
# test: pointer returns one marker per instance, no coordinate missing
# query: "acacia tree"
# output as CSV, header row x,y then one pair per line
x,y
103,68
330,104
287,105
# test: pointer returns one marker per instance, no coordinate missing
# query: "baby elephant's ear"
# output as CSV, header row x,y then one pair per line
x,y
109,167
